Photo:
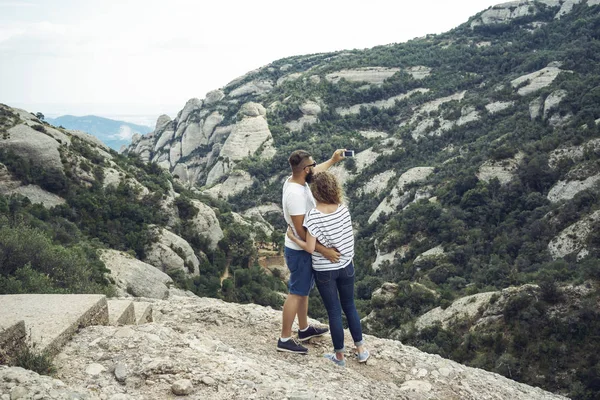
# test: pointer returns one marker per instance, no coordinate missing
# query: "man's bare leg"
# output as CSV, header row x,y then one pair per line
x,y
291,307
303,313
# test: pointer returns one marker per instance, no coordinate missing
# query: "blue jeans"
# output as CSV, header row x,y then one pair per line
x,y
331,284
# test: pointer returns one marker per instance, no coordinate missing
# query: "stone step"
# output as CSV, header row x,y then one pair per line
x,y
121,312
143,312
51,319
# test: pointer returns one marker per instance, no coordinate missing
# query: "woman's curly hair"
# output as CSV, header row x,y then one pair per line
x,y
326,188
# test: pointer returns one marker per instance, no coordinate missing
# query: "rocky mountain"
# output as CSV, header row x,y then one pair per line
x,y
111,132
476,170
186,352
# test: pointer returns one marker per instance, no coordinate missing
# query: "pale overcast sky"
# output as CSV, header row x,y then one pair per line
x,y
110,57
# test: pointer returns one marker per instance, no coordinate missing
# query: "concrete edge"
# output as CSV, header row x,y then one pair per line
x,y
121,315
143,312
95,315
12,339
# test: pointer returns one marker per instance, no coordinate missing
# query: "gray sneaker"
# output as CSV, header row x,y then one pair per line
x,y
291,346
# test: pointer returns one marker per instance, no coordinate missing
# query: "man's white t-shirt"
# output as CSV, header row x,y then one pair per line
x,y
297,200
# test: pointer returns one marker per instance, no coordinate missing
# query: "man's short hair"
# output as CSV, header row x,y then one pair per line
x,y
297,157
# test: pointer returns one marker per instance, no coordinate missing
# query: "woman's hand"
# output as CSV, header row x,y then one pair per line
x,y
290,234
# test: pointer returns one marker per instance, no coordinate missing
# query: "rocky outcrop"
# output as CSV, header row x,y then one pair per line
x,y
566,190
553,100
310,111
372,75
255,87
395,199
498,106
172,253
36,195
381,104
503,170
236,182
133,277
573,153
201,347
534,81
378,183
573,238
247,135
206,224
213,97
435,252
383,258
29,143
465,308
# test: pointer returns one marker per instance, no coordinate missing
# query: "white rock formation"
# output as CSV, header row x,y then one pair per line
x,y
33,145
553,100
464,308
372,75
381,104
574,237
574,153
566,190
311,110
535,107
537,80
36,195
391,203
135,278
373,134
236,182
191,106
213,97
246,137
206,223
431,253
171,253
378,183
504,170
498,106
253,87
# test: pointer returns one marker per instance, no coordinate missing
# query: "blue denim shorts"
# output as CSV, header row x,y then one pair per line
x,y
299,262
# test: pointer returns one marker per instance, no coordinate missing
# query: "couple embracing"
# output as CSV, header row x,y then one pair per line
x,y
319,247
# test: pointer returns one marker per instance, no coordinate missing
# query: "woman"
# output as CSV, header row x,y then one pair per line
x,y
331,225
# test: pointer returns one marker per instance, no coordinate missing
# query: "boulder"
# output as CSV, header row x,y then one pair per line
x,y
246,137
191,106
213,97
252,109
257,87
34,145
133,277
503,170
206,224
171,253
236,182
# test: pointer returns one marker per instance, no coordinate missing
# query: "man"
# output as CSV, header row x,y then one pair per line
x,y
297,201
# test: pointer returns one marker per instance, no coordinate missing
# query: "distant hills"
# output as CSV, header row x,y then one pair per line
x,y
111,132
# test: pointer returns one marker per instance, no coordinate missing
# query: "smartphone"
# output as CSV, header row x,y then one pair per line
x,y
349,153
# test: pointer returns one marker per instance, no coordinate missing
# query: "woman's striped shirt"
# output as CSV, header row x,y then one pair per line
x,y
331,230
